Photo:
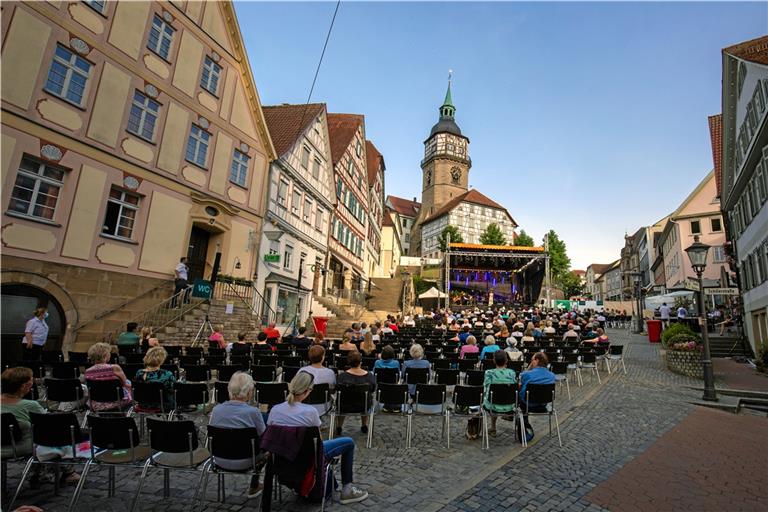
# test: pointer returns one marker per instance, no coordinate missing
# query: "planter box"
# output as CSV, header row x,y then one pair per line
x,y
685,362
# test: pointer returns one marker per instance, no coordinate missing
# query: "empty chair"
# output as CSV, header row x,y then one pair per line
x,y
395,398
289,360
65,370
188,395
615,353
430,400
80,358
264,373
243,360
446,376
64,390
221,391
51,356
173,351
589,362
474,377
487,363
466,365
197,373
193,360
115,441
560,369
225,372
414,376
517,366
194,351
321,398
11,438
289,372
167,441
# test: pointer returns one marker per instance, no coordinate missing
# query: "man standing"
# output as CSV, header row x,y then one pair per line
x,y
181,273
682,312
664,312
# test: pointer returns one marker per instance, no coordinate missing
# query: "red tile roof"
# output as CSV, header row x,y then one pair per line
x,y
716,136
470,196
387,220
286,123
374,160
754,50
404,207
342,128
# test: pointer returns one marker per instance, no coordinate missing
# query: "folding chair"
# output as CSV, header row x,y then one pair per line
x,y
189,394
320,395
10,435
264,373
197,373
446,376
389,395
104,391
474,377
560,369
467,398
271,393
51,356
589,362
289,372
221,392
615,353
53,430
386,375
148,399
228,443
115,441
65,370
543,395
430,395
173,445
65,391
80,358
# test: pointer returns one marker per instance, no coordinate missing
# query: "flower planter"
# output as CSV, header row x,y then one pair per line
x,y
685,362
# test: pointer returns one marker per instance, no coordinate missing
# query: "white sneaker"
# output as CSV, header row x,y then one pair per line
x,y
353,495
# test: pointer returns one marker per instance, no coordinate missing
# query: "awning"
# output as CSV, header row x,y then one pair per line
x,y
432,293
286,281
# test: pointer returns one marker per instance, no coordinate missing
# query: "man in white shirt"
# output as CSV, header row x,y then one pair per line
x,y
664,312
181,273
682,312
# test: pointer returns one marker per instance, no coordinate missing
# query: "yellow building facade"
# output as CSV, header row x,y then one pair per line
x,y
132,135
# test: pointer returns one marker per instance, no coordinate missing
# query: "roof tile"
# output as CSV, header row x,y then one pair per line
x,y
716,136
373,160
342,128
470,196
754,50
404,207
286,123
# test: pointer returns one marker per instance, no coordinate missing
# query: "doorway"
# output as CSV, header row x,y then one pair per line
x,y
18,304
197,253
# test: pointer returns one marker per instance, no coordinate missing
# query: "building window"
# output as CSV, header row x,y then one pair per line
x,y
305,157
36,190
319,219
282,192
197,146
121,213
718,254
287,255
209,80
716,225
695,227
143,116
358,149
68,76
307,210
350,167
296,202
274,247
99,6
316,169
238,171
339,188
760,175
160,37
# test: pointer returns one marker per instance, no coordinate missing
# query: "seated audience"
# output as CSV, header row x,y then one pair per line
x,y
356,375
499,375
417,361
470,348
153,360
99,355
490,347
321,374
537,373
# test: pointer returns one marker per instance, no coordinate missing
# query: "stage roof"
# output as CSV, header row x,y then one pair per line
x,y
504,248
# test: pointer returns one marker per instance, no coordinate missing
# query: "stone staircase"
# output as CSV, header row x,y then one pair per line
x,y
184,330
386,294
720,346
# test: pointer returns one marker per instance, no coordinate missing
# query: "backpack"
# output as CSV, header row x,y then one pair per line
x,y
528,434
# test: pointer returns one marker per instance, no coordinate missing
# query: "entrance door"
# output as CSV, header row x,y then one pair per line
x,y
18,304
198,250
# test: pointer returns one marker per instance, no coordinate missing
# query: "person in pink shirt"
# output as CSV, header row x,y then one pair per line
x,y
469,348
217,337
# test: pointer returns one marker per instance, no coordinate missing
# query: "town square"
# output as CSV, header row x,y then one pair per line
x,y
419,256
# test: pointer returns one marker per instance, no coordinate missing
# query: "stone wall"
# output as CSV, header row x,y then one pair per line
x,y
685,362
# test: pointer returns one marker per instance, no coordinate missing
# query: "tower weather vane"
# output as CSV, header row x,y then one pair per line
x,y
450,73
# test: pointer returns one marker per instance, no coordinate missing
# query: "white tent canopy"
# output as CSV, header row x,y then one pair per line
x,y
432,293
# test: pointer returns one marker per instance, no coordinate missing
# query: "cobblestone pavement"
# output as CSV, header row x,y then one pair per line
x,y
603,427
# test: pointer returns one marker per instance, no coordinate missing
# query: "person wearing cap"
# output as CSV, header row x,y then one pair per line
x,y
293,413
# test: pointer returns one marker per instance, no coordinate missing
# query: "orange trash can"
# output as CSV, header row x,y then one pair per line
x,y
654,330
321,324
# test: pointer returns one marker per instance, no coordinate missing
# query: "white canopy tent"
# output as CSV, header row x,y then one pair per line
x,y
432,293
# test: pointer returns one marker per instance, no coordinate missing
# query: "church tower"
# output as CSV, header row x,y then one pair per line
x,y
445,168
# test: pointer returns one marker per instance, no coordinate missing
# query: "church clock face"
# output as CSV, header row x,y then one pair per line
x,y
455,174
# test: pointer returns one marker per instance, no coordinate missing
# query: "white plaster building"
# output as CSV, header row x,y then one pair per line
x,y
295,235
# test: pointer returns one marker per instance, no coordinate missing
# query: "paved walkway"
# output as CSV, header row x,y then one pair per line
x,y
604,427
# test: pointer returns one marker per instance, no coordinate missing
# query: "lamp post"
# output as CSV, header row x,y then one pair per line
x,y
636,276
697,253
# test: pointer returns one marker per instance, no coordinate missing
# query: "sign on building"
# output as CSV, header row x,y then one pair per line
x,y
202,289
721,291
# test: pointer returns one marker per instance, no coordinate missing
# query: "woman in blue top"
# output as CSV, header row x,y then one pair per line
x,y
490,346
537,373
387,359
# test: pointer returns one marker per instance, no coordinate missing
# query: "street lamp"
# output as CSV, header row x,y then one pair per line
x,y
697,253
636,276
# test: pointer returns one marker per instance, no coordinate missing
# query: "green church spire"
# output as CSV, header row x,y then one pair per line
x,y
447,109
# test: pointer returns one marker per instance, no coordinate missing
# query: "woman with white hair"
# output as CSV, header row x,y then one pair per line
x,y
293,413
416,361
237,413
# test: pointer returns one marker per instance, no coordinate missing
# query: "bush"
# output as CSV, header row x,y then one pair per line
x,y
674,330
684,341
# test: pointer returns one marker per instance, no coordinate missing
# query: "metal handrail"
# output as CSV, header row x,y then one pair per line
x,y
111,310
256,309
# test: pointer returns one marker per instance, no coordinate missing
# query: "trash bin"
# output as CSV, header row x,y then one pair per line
x,y
321,324
654,330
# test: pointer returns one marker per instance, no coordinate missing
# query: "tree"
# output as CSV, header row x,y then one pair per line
x,y
456,237
571,285
559,262
523,239
493,235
